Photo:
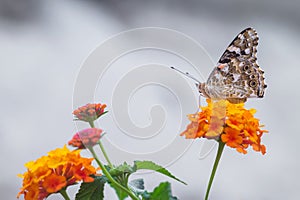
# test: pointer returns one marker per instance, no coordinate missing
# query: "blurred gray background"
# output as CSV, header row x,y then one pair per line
x,y
43,43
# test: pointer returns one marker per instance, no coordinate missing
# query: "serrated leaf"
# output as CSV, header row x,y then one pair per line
x,y
152,166
161,192
93,190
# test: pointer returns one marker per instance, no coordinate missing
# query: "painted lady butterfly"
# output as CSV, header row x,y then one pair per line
x,y
237,75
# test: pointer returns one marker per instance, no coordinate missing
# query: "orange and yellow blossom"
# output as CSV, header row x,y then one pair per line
x,y
231,123
54,172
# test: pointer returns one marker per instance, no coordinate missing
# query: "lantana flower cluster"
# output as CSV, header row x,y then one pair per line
x,y
54,172
90,112
86,138
233,124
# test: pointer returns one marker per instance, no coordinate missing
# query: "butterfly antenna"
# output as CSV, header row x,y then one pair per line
x,y
186,74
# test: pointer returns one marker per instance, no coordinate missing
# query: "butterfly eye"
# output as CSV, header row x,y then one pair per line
x,y
252,83
246,67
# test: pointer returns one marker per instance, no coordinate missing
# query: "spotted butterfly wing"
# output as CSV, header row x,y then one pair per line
x,y
237,75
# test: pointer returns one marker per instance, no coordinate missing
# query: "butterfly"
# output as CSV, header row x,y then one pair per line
x,y
237,76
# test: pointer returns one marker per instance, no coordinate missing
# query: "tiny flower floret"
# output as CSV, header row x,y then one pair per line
x,y
231,123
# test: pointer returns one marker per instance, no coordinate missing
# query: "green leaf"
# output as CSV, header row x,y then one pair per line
x,y
120,174
93,190
103,113
122,169
120,193
161,192
152,166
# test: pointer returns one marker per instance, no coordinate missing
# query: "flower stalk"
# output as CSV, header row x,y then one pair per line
x,y
63,192
213,172
102,147
105,154
110,178
92,125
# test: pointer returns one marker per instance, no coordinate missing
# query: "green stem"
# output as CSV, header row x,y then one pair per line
x,y
92,124
110,178
63,192
213,172
102,147
105,154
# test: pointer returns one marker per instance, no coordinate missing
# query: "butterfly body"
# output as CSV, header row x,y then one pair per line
x,y
237,75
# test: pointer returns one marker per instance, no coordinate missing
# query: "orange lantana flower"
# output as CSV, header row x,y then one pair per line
x,y
231,123
89,112
54,172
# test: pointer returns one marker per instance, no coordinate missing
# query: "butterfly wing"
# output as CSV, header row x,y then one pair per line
x,y
237,75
